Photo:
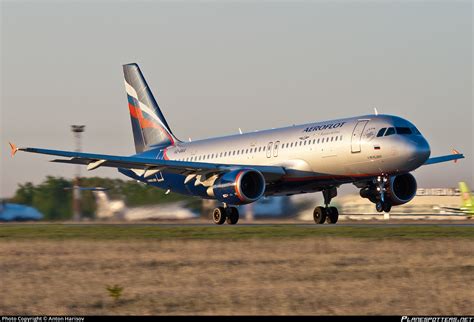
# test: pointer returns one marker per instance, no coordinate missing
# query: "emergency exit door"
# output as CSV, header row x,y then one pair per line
x,y
357,136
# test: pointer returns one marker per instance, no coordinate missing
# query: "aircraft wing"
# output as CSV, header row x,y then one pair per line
x,y
142,165
445,158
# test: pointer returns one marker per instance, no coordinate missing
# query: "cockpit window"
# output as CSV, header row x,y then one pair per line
x,y
403,130
381,132
390,131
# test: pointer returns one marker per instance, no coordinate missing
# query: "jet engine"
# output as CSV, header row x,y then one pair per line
x,y
238,187
399,190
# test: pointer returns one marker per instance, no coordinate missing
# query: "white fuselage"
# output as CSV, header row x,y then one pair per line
x,y
346,147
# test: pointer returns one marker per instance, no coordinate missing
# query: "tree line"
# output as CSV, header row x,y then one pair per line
x,y
53,196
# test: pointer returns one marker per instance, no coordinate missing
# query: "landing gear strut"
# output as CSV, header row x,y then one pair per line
x,y
221,215
326,214
382,205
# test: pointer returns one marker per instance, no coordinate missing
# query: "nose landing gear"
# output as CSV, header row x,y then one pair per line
x,y
382,205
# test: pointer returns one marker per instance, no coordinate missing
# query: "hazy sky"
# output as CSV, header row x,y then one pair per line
x,y
215,67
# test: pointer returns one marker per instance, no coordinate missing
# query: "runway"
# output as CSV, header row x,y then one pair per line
x,y
200,222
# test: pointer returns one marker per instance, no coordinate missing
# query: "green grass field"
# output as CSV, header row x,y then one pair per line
x,y
163,232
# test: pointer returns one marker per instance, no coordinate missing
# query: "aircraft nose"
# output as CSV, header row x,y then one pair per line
x,y
418,151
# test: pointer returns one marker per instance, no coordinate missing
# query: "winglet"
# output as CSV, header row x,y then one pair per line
x,y
13,149
455,152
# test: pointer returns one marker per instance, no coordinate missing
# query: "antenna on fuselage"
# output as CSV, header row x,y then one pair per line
x,y
240,130
190,139
376,112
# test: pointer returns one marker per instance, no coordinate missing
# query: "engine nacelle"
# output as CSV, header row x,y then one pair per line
x,y
399,190
239,187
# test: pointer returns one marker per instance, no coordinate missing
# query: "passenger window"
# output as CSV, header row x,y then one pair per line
x,y
390,131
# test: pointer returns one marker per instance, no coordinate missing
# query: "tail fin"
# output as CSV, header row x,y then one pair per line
x,y
465,195
148,123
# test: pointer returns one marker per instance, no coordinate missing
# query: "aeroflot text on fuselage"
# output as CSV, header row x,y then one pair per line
x,y
324,127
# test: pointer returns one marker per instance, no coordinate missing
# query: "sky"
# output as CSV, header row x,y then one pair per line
x,y
218,66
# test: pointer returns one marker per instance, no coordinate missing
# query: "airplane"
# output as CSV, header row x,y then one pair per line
x,y
17,212
374,152
116,209
467,201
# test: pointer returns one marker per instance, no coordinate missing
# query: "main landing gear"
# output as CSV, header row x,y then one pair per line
x,y
225,214
381,204
326,214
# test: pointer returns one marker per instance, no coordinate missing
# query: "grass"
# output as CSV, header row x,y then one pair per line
x,y
164,232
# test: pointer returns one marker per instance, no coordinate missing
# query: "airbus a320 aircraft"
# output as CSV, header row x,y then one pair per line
x,y
374,152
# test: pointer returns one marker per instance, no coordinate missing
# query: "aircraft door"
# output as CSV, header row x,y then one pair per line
x,y
357,135
269,149
275,148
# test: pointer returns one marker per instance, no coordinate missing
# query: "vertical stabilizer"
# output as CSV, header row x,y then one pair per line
x,y
149,126
466,197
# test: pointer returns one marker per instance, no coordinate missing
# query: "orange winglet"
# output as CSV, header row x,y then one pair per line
x,y
13,149
455,152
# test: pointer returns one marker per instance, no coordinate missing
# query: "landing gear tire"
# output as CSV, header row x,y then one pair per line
x,y
219,215
232,215
379,206
387,206
383,206
332,215
319,215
